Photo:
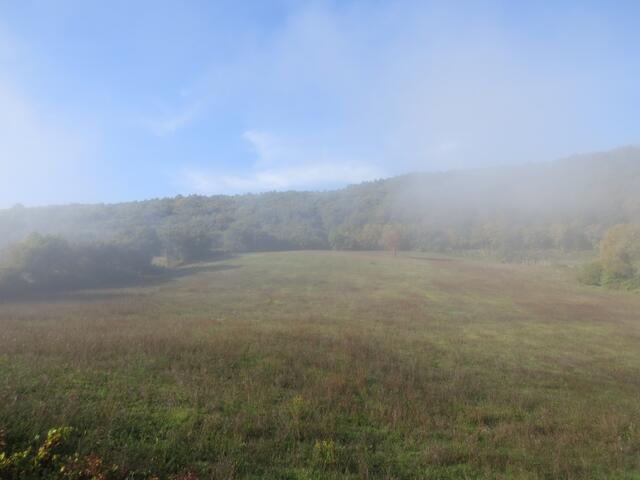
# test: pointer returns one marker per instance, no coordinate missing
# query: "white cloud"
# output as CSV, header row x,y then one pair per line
x,y
279,165
170,122
310,176
407,85
264,145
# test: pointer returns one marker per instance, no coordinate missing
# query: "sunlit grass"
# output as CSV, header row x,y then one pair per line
x,y
336,365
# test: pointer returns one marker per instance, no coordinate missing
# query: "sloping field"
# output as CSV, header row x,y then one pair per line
x,y
335,365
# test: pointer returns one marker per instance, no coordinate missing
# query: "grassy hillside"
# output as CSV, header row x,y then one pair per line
x,y
564,205
335,365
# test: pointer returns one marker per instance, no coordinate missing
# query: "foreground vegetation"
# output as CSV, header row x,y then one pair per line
x,y
333,365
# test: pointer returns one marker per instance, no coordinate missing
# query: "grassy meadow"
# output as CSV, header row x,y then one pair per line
x,y
324,365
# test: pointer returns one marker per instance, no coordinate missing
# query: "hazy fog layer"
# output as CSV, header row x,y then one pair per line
x,y
566,204
120,101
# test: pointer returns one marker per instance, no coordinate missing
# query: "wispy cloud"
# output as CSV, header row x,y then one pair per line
x,y
279,165
326,175
170,122
311,94
410,86
265,146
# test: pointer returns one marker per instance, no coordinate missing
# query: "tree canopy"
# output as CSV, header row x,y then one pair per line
x,y
512,212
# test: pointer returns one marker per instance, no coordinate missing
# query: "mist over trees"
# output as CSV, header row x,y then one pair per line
x,y
48,263
513,213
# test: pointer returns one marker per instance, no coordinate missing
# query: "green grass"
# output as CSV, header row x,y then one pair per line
x,y
336,365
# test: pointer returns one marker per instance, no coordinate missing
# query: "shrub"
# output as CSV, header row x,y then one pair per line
x,y
620,251
591,274
50,263
55,459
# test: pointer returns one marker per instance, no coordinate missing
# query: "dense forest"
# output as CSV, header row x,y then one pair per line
x,y
519,213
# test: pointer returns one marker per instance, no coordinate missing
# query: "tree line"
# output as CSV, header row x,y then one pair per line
x,y
517,214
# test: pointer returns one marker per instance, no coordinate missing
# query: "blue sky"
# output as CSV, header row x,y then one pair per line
x,y
124,100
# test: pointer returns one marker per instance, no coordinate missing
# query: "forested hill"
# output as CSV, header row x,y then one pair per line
x,y
567,204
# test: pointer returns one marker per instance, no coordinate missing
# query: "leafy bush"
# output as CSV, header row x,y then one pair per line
x,y
49,263
621,283
54,459
620,251
51,459
619,260
591,274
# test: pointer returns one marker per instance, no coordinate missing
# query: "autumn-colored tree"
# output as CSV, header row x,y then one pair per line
x,y
620,251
